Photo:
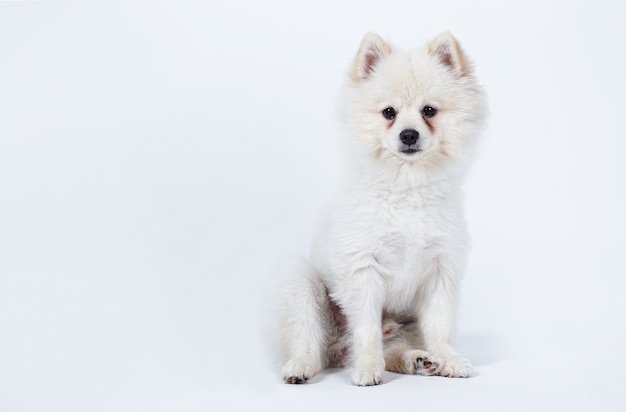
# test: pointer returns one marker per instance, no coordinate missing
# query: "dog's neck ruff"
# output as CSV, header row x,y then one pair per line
x,y
407,190
405,176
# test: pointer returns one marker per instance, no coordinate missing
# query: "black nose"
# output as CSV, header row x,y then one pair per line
x,y
409,136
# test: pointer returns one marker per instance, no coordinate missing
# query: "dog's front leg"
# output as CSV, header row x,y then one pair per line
x,y
436,313
363,308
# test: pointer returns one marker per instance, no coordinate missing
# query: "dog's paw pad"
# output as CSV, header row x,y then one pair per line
x,y
295,380
423,363
429,365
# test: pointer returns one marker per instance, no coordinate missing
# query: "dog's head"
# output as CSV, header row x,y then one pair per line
x,y
418,108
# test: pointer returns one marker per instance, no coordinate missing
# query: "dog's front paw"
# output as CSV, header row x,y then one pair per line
x,y
423,363
456,367
368,374
298,371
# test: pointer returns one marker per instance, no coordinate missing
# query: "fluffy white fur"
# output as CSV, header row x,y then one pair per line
x,y
381,285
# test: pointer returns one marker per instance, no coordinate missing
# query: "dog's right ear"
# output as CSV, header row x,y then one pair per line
x,y
372,50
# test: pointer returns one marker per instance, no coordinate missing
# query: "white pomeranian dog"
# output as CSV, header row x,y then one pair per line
x,y
381,286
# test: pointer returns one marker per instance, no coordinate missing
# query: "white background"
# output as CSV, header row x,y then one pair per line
x,y
159,159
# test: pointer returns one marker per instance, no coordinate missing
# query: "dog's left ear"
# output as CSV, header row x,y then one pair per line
x,y
449,53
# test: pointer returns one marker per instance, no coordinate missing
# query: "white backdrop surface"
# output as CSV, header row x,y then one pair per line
x,y
159,159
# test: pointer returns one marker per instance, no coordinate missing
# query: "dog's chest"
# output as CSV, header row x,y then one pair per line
x,y
407,240
399,236
396,234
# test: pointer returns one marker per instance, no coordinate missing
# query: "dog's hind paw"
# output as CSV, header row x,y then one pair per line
x,y
423,363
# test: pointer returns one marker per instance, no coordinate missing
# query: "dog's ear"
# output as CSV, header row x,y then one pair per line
x,y
447,50
372,50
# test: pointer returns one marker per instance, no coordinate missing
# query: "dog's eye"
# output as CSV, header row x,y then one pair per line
x,y
429,111
389,113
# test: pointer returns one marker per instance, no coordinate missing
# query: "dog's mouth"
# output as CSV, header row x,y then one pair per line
x,y
410,150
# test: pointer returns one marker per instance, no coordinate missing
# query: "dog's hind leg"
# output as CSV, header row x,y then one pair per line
x,y
400,357
305,324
